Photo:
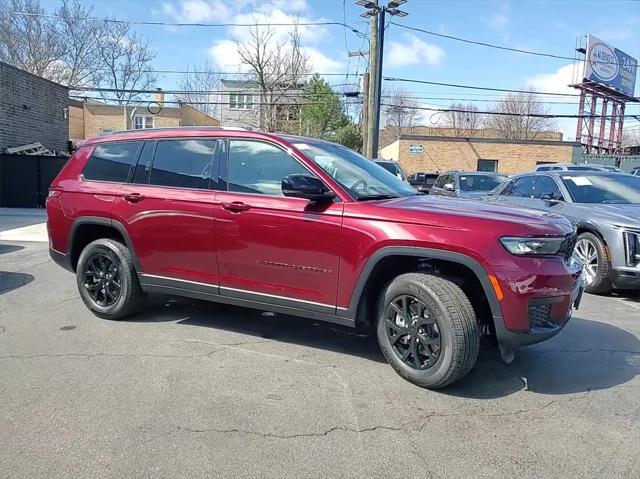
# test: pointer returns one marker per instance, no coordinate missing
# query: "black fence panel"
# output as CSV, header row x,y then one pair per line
x,y
25,179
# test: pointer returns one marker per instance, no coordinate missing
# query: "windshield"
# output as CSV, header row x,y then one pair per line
x,y
392,168
480,182
362,178
612,188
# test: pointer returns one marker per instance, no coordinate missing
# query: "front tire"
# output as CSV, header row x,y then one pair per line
x,y
107,280
427,330
591,251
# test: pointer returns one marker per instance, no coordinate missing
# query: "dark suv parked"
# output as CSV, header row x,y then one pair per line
x,y
305,227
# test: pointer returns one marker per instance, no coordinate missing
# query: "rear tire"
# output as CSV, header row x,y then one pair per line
x,y
596,278
427,330
107,280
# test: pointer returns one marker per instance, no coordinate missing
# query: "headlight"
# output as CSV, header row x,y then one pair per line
x,y
631,247
533,246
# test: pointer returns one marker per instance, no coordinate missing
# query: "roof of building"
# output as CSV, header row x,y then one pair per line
x,y
95,109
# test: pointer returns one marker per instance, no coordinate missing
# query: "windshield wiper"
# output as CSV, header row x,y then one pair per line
x,y
376,197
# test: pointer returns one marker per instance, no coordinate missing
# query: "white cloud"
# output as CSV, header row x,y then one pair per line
x,y
320,62
555,82
193,11
413,51
497,21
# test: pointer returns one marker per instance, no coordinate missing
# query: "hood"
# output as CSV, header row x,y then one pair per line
x,y
624,215
416,208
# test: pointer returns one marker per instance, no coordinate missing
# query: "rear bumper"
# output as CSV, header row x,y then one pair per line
x,y
61,259
540,328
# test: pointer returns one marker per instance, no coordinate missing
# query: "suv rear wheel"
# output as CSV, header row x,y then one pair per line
x,y
107,280
427,330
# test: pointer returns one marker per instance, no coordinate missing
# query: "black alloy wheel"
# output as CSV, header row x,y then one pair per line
x,y
102,278
413,332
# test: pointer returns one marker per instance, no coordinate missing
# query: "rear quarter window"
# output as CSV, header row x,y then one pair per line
x,y
112,161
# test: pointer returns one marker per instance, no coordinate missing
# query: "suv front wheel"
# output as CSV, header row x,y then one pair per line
x,y
427,330
107,280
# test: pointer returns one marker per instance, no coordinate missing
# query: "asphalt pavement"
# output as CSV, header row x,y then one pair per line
x,y
192,389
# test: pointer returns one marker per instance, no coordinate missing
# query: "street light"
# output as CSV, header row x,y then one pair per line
x,y
375,10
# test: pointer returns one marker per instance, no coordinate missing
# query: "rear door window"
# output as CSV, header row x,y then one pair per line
x,y
184,163
112,161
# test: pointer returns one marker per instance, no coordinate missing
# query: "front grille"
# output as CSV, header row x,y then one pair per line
x,y
566,249
539,315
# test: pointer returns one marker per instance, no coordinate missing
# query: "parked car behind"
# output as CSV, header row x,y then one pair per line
x,y
466,184
392,167
635,171
423,182
576,167
305,227
605,209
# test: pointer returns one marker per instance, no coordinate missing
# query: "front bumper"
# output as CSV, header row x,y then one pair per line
x,y
543,324
625,279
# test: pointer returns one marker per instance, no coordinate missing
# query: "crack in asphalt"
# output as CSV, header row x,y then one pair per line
x,y
287,436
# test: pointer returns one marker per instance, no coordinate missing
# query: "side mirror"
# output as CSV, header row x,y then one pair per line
x,y
448,186
551,197
307,187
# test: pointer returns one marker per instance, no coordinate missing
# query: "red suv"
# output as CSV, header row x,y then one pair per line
x,y
309,228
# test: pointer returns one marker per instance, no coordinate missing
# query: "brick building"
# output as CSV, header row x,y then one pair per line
x,y
87,120
32,109
437,153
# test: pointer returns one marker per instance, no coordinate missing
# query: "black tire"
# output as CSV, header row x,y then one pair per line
x,y
457,329
130,295
601,283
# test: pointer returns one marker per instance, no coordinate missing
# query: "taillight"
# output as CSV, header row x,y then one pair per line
x,y
55,191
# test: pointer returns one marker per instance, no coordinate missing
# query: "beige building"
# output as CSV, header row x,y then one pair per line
x,y
87,120
418,153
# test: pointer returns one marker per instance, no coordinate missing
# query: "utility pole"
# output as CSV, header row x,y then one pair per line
x,y
365,115
376,16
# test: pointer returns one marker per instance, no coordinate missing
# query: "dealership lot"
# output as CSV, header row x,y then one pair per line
x,y
189,389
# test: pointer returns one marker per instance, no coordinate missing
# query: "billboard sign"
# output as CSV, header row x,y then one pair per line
x,y
610,67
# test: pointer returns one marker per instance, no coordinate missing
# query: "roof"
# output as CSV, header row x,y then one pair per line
x,y
239,83
94,109
571,173
183,131
486,140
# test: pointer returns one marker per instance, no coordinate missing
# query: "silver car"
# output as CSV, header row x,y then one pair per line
x,y
605,209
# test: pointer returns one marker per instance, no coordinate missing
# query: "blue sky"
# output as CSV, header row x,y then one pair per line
x,y
548,26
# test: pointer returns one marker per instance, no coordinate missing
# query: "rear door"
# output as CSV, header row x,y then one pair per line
x,y
167,209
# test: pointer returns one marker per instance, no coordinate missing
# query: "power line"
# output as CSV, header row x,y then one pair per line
x,y
184,24
455,85
493,45
531,115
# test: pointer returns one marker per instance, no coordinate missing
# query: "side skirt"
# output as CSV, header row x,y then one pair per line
x,y
247,299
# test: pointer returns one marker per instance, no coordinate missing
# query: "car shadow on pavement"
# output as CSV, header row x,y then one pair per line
x,y
588,355
9,248
10,281
279,327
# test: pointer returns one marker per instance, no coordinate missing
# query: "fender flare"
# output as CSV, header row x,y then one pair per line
x,y
429,253
111,223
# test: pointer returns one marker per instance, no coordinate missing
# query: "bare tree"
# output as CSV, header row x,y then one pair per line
x,y
126,63
631,136
520,116
200,86
30,42
277,67
402,112
463,119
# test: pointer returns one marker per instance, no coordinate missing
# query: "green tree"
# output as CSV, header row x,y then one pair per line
x,y
324,116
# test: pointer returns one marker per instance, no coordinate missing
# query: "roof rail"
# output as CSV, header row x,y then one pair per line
x,y
169,128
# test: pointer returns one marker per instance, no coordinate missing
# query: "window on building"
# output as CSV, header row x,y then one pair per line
x,y
183,163
140,122
488,165
105,131
240,101
112,161
257,167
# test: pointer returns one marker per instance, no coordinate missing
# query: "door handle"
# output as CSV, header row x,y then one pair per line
x,y
133,197
236,206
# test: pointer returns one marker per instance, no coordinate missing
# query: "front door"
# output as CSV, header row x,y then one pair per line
x,y
167,210
271,248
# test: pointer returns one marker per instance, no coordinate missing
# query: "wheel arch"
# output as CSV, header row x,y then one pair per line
x,y
367,278
89,228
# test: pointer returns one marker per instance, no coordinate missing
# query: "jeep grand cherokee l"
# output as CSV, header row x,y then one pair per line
x,y
309,228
